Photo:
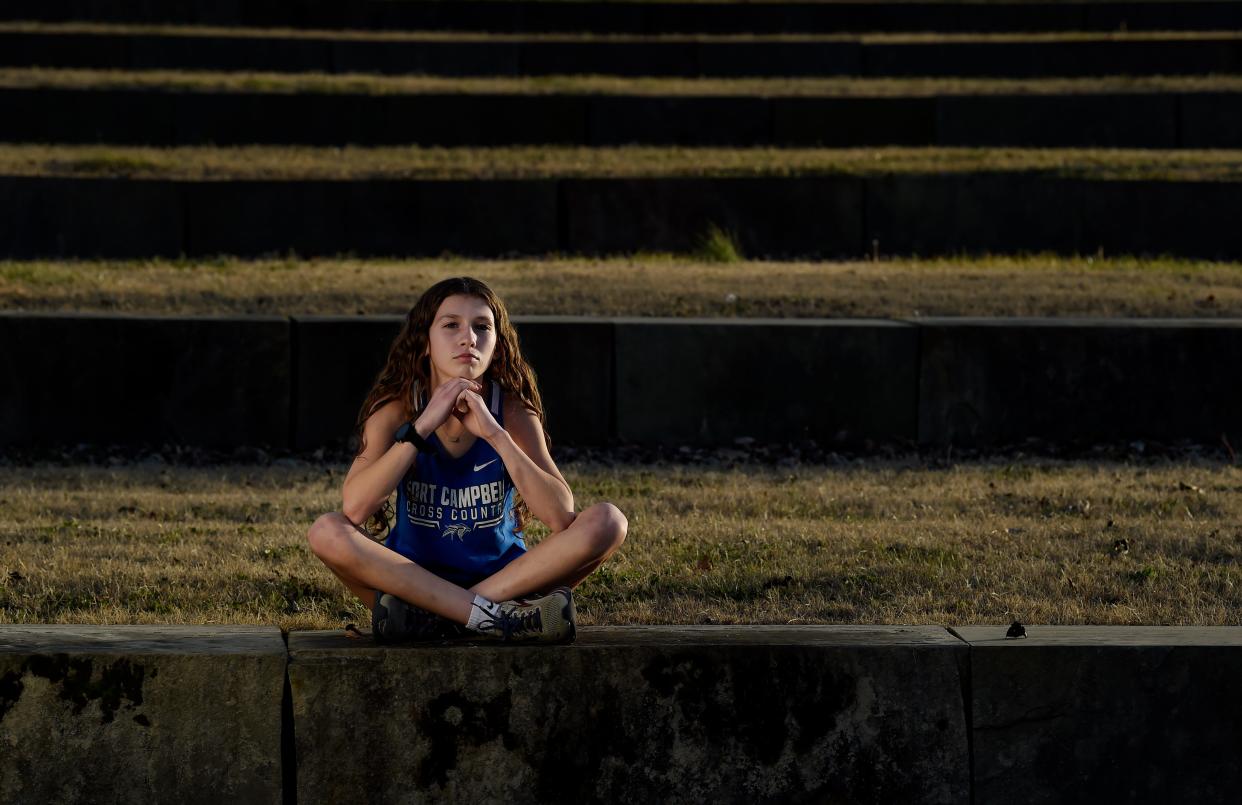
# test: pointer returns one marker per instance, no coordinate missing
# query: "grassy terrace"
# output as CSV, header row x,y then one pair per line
x,y
365,84
644,285
109,29
1154,541
525,162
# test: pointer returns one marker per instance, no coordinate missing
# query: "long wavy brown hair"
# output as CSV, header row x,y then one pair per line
x,y
409,363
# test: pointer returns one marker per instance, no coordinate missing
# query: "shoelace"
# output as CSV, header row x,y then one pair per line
x,y
515,623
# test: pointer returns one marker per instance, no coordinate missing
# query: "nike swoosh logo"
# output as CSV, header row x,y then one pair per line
x,y
478,467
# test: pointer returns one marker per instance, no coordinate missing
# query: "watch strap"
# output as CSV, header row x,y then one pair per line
x,y
408,433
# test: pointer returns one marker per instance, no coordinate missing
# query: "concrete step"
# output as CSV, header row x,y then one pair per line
x,y
641,714
119,47
796,216
282,382
177,117
1104,713
653,17
138,714
728,714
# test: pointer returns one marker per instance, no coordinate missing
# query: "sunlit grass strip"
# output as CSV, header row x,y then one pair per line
x,y
532,162
870,542
364,84
121,29
641,285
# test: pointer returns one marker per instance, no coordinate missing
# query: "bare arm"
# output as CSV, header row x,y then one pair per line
x,y
522,448
376,471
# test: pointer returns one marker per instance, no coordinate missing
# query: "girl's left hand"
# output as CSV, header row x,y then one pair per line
x,y
474,414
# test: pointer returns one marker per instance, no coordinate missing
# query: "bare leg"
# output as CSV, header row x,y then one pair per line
x,y
365,566
562,559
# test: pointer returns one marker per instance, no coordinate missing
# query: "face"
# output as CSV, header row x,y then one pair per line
x,y
462,339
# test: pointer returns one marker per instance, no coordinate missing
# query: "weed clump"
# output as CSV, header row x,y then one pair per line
x,y
717,245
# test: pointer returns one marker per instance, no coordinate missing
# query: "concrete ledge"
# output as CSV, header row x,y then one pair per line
x,y
298,382
800,216
976,213
989,381
91,217
337,359
258,217
632,17
101,379
822,379
1210,120
854,56
1098,119
1106,713
646,714
1038,59
160,117
466,217
137,714
632,713
575,364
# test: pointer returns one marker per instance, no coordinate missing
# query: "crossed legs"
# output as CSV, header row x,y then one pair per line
x,y
562,559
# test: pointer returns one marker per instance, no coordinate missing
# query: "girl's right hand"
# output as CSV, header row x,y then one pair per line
x,y
443,401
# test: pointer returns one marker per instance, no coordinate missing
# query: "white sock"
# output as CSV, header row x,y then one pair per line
x,y
482,610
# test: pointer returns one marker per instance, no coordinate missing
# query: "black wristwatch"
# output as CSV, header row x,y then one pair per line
x,y
407,433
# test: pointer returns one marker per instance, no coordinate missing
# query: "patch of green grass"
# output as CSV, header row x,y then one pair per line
x,y
717,245
368,84
879,541
648,285
116,29
205,163
37,274
924,555
104,164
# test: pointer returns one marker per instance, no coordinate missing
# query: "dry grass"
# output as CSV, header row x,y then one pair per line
x,y
365,84
873,542
204,163
119,29
649,285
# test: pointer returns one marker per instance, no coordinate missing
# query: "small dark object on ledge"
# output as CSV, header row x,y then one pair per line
x,y
1016,629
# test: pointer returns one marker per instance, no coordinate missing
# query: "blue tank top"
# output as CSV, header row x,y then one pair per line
x,y
455,516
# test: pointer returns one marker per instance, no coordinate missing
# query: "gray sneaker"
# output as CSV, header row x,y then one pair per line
x,y
547,619
395,621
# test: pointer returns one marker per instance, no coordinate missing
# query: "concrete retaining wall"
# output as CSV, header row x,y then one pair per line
x,y
803,216
969,382
140,714
133,380
1200,55
988,381
679,713
641,714
154,117
638,17
1105,714
774,380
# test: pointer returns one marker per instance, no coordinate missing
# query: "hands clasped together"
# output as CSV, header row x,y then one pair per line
x,y
458,398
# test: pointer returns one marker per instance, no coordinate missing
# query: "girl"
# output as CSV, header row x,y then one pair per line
x,y
454,423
